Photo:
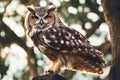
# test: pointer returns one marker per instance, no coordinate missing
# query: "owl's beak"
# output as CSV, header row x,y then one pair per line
x,y
41,22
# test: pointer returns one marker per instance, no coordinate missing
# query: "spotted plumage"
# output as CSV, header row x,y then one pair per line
x,y
64,46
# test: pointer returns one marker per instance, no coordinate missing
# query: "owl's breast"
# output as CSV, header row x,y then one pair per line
x,y
56,38
51,39
46,42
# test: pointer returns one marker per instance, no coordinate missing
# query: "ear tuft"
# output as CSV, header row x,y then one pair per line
x,y
31,9
51,8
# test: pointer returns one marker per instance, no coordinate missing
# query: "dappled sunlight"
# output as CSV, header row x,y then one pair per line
x,y
16,27
2,7
78,28
72,10
16,60
43,3
88,25
94,17
96,41
82,1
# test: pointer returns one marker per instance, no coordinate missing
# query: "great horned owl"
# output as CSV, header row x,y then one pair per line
x,y
64,46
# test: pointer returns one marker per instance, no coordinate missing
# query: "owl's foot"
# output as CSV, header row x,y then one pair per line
x,y
49,72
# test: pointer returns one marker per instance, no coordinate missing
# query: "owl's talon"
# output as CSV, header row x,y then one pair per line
x,y
49,72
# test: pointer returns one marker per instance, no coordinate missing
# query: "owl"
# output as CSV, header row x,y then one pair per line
x,y
64,46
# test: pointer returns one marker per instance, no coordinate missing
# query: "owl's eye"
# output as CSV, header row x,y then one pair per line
x,y
47,16
34,17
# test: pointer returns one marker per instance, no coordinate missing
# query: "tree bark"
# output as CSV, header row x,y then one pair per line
x,y
112,17
49,76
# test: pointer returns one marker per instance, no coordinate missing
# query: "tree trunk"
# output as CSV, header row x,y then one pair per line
x,y
112,17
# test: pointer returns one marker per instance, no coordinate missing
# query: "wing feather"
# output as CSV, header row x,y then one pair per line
x,y
68,40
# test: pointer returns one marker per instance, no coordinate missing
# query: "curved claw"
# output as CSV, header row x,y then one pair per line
x,y
49,72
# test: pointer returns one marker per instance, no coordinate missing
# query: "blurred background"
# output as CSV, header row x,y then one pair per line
x,y
21,60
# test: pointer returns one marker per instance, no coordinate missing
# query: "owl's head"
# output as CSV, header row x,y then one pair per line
x,y
41,17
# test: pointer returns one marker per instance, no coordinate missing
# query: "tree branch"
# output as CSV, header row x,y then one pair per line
x,y
11,37
93,29
49,76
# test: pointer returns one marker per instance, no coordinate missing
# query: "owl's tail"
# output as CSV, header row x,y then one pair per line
x,y
85,63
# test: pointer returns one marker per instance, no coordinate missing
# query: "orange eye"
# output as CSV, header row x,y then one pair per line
x,y
47,16
34,17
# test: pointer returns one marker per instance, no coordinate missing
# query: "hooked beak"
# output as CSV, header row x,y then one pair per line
x,y
40,22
